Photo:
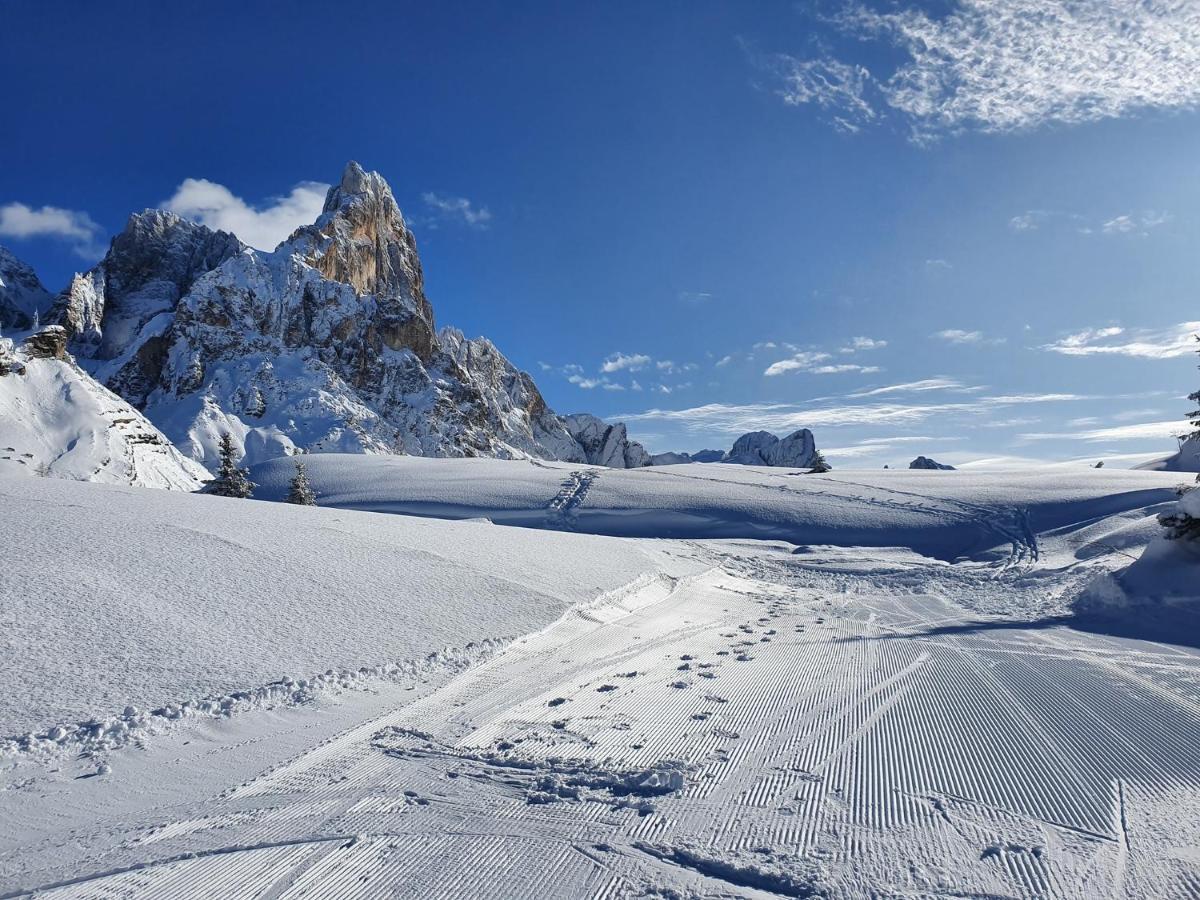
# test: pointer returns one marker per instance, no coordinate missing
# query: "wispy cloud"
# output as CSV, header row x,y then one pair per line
x,y
458,209
617,362
694,296
959,336
1137,224
1166,343
1138,432
263,227
740,418
952,385
1003,67
76,228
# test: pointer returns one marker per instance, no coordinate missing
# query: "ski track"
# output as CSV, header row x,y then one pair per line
x,y
836,735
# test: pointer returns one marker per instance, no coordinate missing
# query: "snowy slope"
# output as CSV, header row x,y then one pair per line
x,y
940,514
57,420
115,596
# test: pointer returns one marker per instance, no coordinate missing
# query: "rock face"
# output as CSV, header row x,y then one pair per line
x,y
48,343
328,343
606,445
22,297
707,456
761,448
924,462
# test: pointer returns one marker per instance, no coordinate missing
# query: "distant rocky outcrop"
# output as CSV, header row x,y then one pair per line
x,y
756,448
761,448
606,445
924,462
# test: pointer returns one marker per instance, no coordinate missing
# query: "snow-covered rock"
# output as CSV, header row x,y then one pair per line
x,y
326,344
924,462
606,445
22,297
56,420
761,448
1185,459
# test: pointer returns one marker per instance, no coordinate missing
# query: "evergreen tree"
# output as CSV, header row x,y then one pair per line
x,y
819,465
301,493
230,481
1194,415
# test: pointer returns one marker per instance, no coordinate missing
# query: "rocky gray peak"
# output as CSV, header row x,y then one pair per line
x,y
149,266
22,297
604,444
707,456
761,448
924,462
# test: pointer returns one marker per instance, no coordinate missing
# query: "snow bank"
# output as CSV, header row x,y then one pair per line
x,y
116,597
939,514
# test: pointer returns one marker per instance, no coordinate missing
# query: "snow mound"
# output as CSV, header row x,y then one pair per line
x,y
1186,459
116,597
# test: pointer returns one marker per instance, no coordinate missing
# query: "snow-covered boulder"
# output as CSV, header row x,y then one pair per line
x,y
924,462
23,300
604,444
761,448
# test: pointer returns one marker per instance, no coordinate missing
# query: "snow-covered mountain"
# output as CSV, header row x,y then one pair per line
x,y
761,448
327,344
58,421
22,297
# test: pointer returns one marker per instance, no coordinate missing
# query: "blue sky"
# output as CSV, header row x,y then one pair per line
x,y
915,228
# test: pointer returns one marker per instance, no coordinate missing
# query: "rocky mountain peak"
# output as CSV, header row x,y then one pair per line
x,y
361,240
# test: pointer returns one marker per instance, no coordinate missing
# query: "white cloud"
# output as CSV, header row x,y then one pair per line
x,y
938,264
218,207
958,336
863,343
1166,343
587,383
1136,224
458,209
1031,220
801,362
1008,66
76,228
694,296
723,361
618,361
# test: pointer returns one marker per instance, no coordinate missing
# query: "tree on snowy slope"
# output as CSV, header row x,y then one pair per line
x,y
301,492
1183,522
230,481
819,465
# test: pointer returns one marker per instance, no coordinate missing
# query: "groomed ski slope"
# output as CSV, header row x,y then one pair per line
x,y
744,717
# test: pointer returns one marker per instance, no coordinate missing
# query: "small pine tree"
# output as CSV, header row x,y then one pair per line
x,y
301,493
819,465
230,481
1194,396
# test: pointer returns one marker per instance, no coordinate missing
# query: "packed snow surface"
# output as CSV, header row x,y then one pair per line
x,y
825,713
